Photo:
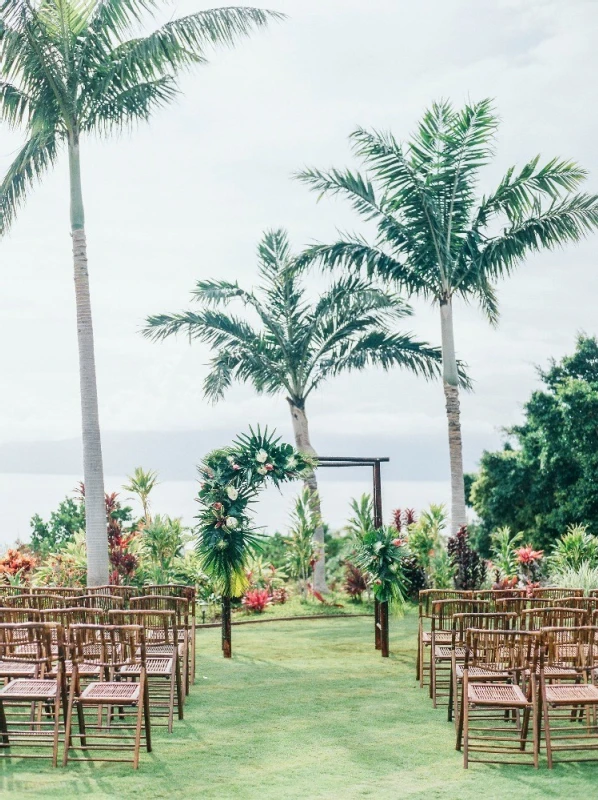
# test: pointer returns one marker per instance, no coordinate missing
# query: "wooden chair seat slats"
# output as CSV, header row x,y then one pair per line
x,y
25,689
504,695
111,692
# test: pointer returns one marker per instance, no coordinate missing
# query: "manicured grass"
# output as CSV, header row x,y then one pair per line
x,y
305,709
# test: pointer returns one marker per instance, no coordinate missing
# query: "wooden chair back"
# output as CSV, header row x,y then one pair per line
x,y
108,646
31,642
502,651
533,619
124,592
567,647
555,593
427,597
38,601
482,621
107,602
61,591
160,627
443,611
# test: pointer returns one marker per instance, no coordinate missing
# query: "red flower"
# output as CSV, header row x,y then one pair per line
x,y
218,506
525,555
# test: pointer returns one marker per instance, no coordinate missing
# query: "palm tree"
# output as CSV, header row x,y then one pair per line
x,y
436,239
300,343
69,68
142,483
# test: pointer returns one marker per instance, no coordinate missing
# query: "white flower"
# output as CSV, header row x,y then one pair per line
x,y
232,492
262,470
377,547
231,522
261,456
230,459
291,463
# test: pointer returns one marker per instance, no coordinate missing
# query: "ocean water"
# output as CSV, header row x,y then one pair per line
x,y
22,495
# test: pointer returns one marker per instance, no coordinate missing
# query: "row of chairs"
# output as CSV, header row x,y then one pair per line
x,y
89,675
501,668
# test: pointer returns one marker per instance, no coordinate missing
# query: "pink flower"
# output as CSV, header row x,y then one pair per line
x,y
217,506
236,467
398,542
269,467
525,555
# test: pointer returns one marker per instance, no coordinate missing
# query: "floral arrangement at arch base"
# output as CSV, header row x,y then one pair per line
x,y
231,479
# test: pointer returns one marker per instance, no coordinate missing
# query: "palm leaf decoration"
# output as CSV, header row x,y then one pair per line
x,y
436,237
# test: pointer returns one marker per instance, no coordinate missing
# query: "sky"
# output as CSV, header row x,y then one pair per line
x,y
188,197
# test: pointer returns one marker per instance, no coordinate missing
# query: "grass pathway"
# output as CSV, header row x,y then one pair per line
x,y
304,710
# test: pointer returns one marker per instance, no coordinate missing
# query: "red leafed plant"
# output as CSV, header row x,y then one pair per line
x,y
526,555
256,600
355,582
13,562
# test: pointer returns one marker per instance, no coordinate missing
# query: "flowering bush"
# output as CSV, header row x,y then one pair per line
x,y
377,554
256,600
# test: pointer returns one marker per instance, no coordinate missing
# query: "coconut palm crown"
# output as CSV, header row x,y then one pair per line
x,y
69,68
437,238
300,342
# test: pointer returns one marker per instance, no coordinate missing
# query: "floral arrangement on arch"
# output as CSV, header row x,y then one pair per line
x,y
231,479
380,553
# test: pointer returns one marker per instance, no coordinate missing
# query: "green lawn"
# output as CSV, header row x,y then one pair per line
x,y
305,709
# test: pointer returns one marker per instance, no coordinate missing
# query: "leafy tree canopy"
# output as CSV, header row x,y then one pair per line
x,y
544,478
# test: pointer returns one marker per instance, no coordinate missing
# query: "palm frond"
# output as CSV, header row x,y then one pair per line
x,y
32,161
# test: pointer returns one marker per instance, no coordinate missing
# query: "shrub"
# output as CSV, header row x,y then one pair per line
x,y
415,577
425,536
16,567
504,552
585,576
355,582
470,568
256,600
575,548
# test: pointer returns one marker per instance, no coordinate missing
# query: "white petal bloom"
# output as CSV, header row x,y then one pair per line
x,y
232,522
262,470
261,456
232,492
291,463
377,547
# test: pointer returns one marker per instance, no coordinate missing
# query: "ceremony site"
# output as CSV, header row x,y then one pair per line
x,y
299,420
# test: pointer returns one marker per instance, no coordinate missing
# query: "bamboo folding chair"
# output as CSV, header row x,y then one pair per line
x,y
495,708
37,601
7,591
569,710
555,593
492,595
112,648
461,623
180,605
533,619
427,597
162,662
190,594
26,652
107,602
67,617
441,651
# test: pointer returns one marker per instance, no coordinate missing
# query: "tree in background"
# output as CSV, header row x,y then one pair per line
x,y
61,527
142,483
544,479
437,239
300,342
70,68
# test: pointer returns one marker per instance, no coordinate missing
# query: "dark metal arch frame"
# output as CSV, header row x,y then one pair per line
x,y
380,609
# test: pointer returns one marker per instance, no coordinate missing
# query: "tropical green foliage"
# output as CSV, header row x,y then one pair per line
x,y
426,537
142,483
301,550
379,553
161,543
48,536
503,552
231,480
585,577
70,68
544,479
300,342
575,548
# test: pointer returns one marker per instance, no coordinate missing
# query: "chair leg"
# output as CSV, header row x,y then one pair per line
x,y
57,702
68,723
547,731
460,720
171,696
146,718
179,687
465,706
419,649
3,725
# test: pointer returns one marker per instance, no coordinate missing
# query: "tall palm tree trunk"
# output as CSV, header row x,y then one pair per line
x,y
303,444
450,381
93,470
